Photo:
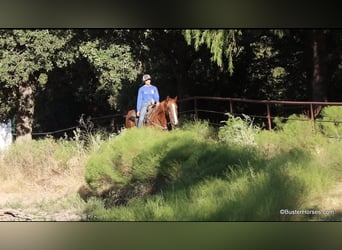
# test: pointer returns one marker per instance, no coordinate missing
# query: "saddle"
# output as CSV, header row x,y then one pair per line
x,y
149,112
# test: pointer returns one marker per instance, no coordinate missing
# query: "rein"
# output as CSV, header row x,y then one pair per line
x,y
155,117
156,124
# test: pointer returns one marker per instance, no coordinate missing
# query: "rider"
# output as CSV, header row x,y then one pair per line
x,y
147,94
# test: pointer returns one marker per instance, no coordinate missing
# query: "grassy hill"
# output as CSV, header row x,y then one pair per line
x,y
195,173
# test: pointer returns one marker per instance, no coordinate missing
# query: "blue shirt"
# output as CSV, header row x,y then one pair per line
x,y
146,94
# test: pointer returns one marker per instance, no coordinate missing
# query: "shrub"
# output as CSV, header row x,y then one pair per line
x,y
238,130
199,179
298,132
149,157
132,155
201,127
331,121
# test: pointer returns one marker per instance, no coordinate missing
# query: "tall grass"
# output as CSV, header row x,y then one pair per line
x,y
36,158
42,176
185,175
242,193
331,121
238,130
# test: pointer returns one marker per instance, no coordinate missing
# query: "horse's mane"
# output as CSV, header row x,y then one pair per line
x,y
161,107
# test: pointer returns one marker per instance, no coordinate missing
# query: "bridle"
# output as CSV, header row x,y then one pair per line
x,y
168,118
156,124
170,114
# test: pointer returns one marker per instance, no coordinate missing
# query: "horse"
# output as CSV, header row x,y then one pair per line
x,y
163,116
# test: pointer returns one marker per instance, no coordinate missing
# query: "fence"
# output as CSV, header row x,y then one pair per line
x,y
264,110
113,123
198,105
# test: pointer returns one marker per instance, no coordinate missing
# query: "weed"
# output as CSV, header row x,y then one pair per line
x,y
238,130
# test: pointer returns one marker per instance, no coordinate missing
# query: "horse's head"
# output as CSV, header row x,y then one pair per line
x,y
172,110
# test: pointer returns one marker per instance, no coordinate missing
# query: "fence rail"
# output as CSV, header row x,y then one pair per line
x,y
231,108
87,119
312,108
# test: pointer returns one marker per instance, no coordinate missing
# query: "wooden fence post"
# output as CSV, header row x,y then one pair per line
x,y
269,116
312,116
311,112
231,106
195,108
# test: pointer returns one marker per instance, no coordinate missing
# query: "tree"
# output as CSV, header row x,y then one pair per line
x,y
112,63
223,45
26,57
286,63
169,59
322,57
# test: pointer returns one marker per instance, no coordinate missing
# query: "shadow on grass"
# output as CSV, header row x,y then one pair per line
x,y
177,166
271,191
191,162
269,187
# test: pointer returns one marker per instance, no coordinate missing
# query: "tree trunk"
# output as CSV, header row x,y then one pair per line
x,y
25,113
318,65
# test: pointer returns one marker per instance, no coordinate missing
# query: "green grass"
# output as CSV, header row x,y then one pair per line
x,y
242,193
334,128
194,173
195,177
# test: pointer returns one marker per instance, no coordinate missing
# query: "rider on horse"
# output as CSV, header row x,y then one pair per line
x,y
147,94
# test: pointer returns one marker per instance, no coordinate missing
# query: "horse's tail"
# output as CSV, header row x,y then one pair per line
x,y
131,119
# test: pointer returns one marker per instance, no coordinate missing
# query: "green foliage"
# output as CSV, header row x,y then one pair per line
x,y
199,179
297,131
202,128
222,44
238,130
28,53
331,121
113,163
8,100
26,57
195,179
141,155
113,64
253,193
263,48
270,69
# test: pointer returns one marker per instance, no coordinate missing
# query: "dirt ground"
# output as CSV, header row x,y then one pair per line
x,y
54,198
34,207
66,205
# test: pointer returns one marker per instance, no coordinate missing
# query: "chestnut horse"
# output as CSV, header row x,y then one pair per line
x,y
163,116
